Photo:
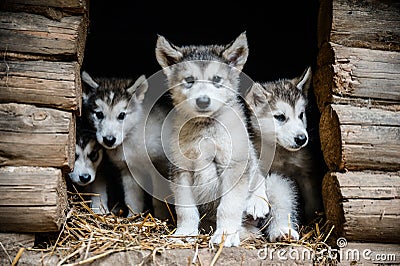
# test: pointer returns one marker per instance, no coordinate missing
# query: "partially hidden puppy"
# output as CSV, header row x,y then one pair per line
x,y
283,103
117,114
214,164
94,173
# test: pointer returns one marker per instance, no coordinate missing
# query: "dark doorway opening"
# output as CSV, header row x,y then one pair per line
x,y
282,38
122,34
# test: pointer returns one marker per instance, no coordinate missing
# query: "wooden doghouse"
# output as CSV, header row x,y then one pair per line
x,y
356,85
42,47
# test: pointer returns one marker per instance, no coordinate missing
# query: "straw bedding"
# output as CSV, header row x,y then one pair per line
x,y
86,236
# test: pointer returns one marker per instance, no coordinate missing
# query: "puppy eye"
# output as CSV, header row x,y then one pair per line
x,y
99,115
93,156
280,118
76,156
121,116
301,115
189,81
217,80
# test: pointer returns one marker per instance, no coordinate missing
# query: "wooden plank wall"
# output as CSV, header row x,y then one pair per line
x,y
358,93
42,47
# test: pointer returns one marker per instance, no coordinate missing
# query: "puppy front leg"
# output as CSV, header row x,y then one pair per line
x,y
188,217
134,194
229,213
99,203
257,201
283,195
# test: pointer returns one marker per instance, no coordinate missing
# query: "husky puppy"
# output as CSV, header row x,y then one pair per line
x,y
215,169
117,114
110,107
283,103
92,172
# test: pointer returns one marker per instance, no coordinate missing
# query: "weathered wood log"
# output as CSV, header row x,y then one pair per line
x,y
360,138
52,84
25,34
34,136
54,9
363,206
32,199
368,77
370,24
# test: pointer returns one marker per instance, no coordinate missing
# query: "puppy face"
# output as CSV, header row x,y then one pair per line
x,y
88,156
202,78
109,122
284,102
291,124
202,87
114,107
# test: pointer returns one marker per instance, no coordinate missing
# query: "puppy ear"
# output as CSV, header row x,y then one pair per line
x,y
303,82
236,53
167,54
139,88
92,85
257,95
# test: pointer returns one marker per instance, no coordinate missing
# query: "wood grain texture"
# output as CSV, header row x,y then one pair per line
x,y
360,138
77,6
363,206
25,33
32,199
364,76
372,24
44,83
34,136
56,9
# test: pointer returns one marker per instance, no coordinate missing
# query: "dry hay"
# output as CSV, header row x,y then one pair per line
x,y
87,236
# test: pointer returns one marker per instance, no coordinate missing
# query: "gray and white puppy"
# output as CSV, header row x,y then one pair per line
x,y
215,169
117,114
283,103
93,172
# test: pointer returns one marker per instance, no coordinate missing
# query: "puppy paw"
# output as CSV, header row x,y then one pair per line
x,y
232,239
184,234
284,233
257,207
182,240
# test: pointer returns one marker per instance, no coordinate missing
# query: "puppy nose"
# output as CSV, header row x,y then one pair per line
x,y
84,178
203,102
109,140
300,139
